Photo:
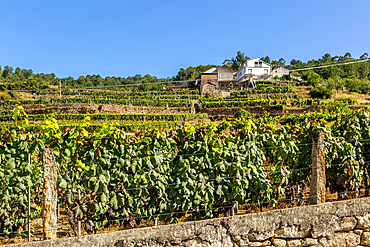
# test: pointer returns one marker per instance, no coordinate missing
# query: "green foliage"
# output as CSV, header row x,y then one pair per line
x,y
118,116
192,73
165,173
241,113
268,90
75,100
5,96
338,107
321,92
347,100
312,78
234,63
357,85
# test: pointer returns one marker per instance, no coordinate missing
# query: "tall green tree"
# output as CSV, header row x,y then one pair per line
x,y
235,62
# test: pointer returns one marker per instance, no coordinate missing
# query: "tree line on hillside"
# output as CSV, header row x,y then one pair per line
x,y
353,76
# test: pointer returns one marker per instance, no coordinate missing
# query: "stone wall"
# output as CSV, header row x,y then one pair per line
x,y
343,223
74,108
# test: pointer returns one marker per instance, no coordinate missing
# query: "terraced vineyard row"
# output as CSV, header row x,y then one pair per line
x,y
242,102
111,117
133,102
122,93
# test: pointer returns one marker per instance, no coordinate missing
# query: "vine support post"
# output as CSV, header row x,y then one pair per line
x,y
29,204
317,187
79,221
49,211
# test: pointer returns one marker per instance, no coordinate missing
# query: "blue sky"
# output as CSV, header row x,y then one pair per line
x,y
124,38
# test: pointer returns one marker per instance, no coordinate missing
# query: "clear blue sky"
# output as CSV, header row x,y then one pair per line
x,y
124,38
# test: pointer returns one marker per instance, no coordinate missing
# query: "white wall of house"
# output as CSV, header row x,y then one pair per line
x,y
255,67
280,71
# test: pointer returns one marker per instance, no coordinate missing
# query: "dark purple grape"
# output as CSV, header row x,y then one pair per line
x,y
138,220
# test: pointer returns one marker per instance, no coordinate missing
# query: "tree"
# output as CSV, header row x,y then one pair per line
x,y
266,59
281,62
7,71
326,58
192,73
27,73
364,56
347,56
18,72
313,78
235,63
364,71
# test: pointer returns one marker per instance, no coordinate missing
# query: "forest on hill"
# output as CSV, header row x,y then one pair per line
x,y
355,75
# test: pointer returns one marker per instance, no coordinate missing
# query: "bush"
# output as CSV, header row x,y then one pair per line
x,y
347,100
241,113
286,78
338,107
320,92
5,96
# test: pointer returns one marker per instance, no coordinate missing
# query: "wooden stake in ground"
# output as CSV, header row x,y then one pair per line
x,y
49,212
317,188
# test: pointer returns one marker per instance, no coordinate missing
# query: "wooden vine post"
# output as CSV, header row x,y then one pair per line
x,y
49,211
317,187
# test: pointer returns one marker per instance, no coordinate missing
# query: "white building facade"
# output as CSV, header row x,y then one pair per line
x,y
253,70
280,72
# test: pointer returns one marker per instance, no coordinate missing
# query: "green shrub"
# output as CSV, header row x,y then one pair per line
x,y
338,107
5,96
241,113
320,92
347,100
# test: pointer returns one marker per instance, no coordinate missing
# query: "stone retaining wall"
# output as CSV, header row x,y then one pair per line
x,y
343,223
103,108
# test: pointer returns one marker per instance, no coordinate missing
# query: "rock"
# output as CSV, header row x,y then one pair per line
x,y
324,225
309,241
266,243
279,242
365,238
226,239
293,232
192,243
243,242
345,239
346,224
293,243
358,231
363,222
255,244
209,233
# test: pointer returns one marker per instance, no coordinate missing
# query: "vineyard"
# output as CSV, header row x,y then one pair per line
x,y
179,173
119,169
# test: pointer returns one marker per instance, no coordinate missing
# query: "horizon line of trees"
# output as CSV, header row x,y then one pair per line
x,y
351,71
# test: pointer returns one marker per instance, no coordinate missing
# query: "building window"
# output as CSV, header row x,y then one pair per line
x,y
227,75
250,71
221,75
266,71
258,64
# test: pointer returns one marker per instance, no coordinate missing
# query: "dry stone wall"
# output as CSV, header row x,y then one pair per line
x,y
103,108
343,223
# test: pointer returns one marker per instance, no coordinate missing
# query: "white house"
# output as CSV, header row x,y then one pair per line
x,y
253,70
280,72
